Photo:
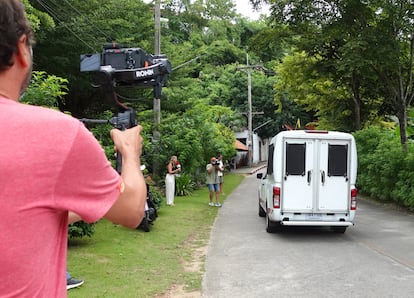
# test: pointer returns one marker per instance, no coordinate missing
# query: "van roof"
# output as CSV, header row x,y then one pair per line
x,y
315,134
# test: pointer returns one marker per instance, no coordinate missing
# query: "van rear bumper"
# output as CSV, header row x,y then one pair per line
x,y
317,223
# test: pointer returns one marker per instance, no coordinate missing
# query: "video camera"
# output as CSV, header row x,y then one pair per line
x,y
215,162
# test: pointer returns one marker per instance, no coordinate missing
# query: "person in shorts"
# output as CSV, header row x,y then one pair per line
x,y
212,181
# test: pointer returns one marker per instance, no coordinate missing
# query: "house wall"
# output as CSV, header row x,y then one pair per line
x,y
259,147
264,149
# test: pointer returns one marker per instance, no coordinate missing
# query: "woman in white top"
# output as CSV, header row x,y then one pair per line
x,y
172,169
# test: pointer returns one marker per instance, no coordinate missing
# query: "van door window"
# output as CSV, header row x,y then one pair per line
x,y
270,160
295,159
338,160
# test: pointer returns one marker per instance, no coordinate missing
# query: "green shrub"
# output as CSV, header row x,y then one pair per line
x,y
184,185
384,169
45,90
81,229
156,196
386,162
370,162
403,192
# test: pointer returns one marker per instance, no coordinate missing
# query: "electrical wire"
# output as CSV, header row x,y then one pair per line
x,y
56,16
88,20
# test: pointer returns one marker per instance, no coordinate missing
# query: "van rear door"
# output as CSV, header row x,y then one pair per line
x,y
333,184
297,189
315,175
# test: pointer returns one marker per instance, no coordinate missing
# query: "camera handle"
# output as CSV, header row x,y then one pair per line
x,y
125,119
126,116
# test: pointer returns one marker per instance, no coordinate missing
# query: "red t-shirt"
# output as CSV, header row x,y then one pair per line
x,y
49,164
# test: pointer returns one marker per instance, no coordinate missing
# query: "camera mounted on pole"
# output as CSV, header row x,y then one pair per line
x,y
118,66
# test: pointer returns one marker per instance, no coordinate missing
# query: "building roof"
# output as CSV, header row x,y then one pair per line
x,y
240,146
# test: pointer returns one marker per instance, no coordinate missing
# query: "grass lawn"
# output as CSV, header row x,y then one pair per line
x,y
118,262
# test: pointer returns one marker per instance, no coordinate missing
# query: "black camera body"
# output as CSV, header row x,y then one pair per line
x,y
216,163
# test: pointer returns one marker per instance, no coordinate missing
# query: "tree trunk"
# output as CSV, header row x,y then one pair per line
x,y
357,102
402,119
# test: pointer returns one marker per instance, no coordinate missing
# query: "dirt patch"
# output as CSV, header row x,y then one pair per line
x,y
198,258
196,265
177,291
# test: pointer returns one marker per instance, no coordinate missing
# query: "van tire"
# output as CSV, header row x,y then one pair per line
x,y
262,213
339,230
271,226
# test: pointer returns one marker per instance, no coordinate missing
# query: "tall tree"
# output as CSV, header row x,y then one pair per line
x,y
298,82
392,35
361,43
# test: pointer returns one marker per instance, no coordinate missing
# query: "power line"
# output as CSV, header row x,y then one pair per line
x,y
188,62
56,16
88,20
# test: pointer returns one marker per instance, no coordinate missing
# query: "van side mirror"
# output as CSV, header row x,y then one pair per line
x,y
259,175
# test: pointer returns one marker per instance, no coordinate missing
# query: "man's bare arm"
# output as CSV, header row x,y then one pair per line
x,y
128,210
73,217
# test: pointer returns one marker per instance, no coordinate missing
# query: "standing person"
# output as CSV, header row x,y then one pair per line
x,y
172,169
220,172
50,164
212,181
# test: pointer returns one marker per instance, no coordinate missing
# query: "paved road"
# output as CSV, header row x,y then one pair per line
x,y
374,258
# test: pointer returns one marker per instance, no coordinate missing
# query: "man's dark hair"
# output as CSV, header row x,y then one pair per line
x,y
13,24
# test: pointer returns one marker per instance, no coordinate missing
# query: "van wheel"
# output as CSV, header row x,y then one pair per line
x,y
272,227
262,213
339,230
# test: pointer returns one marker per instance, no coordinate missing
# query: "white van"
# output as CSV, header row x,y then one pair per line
x,y
310,180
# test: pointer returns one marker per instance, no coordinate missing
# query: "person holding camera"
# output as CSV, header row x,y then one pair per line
x,y
51,164
173,168
212,181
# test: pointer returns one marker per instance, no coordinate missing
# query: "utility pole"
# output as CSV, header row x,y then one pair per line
x,y
249,68
157,27
157,88
157,50
249,103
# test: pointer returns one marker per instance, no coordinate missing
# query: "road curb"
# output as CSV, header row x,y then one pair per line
x,y
253,171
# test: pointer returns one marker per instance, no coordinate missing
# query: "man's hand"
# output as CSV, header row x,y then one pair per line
x,y
128,210
128,142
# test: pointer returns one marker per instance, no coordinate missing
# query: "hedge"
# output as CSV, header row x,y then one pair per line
x,y
385,170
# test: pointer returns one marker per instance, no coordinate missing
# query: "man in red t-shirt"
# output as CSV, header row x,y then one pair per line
x,y
50,165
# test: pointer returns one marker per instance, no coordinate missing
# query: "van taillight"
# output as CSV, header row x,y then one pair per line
x,y
276,197
354,193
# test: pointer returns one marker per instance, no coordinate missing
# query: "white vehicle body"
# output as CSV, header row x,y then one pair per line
x,y
310,180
